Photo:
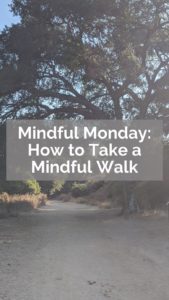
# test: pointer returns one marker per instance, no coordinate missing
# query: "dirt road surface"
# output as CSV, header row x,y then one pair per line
x,y
69,251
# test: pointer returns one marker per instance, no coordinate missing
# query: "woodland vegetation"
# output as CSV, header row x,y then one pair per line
x,y
92,59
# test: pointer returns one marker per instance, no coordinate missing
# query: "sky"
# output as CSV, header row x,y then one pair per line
x,y
6,17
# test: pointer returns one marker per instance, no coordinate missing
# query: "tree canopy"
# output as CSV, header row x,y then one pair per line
x,y
92,59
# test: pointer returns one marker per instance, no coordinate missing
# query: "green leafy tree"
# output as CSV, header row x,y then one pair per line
x,y
91,59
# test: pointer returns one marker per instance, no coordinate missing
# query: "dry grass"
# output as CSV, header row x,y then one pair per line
x,y
12,204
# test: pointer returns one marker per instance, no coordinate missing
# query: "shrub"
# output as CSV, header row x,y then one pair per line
x,y
14,187
10,204
80,189
57,187
32,187
46,186
85,188
21,187
67,187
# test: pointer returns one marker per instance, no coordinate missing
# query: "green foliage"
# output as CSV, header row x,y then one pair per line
x,y
20,187
90,59
32,187
57,187
95,58
67,187
14,187
46,186
80,189
86,188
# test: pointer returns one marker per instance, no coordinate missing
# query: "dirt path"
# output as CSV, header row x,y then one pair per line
x,y
74,252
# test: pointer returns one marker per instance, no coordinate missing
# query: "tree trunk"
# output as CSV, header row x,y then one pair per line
x,y
125,200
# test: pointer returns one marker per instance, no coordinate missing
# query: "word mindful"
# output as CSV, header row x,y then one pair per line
x,y
75,167
84,132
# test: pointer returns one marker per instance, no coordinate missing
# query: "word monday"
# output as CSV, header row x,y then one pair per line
x,y
60,132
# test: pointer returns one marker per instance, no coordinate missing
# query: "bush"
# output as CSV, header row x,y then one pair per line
x,y
32,187
57,187
14,187
12,204
20,187
46,186
80,189
67,187
85,188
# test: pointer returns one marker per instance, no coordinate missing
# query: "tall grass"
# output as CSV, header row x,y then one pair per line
x,y
16,203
